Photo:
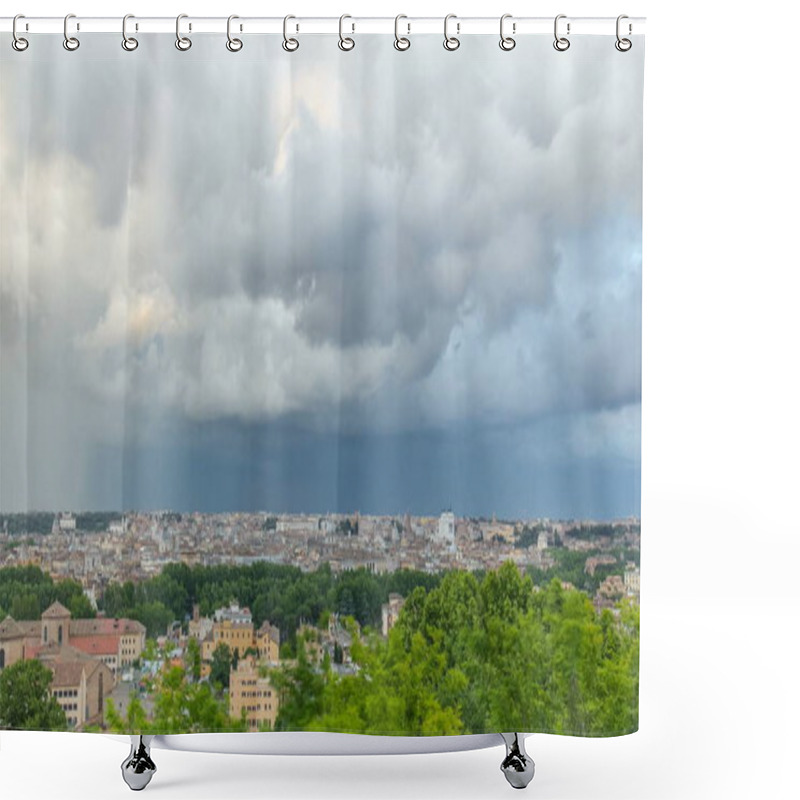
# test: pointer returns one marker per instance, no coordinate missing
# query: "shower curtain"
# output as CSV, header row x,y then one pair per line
x,y
321,385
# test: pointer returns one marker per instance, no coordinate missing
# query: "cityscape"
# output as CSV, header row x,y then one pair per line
x,y
127,611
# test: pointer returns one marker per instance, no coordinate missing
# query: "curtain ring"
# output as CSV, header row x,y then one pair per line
x,y
289,45
401,42
561,43
70,42
18,42
451,42
129,43
623,45
181,42
234,45
506,42
346,42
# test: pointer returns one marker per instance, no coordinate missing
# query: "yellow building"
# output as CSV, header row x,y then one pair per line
x,y
253,694
207,646
234,626
237,635
268,642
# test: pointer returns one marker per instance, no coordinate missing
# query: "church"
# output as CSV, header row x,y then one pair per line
x,y
86,656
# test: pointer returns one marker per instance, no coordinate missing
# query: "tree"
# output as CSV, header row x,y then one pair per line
x,y
80,607
150,652
25,606
300,688
357,594
194,659
25,701
135,720
221,665
179,707
470,652
155,617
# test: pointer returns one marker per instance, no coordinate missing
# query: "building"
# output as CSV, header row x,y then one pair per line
x,y
199,627
81,680
80,683
207,650
268,642
499,532
339,639
447,529
12,643
632,580
609,591
541,540
103,648
67,522
234,614
252,695
55,624
117,643
234,626
390,612
237,635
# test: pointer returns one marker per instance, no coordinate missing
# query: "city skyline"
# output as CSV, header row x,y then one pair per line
x,y
95,547
311,512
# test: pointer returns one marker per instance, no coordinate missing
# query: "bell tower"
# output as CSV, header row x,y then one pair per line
x,y
55,625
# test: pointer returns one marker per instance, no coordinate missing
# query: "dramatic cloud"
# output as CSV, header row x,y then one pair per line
x,y
373,242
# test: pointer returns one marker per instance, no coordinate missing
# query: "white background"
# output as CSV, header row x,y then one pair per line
x,y
720,558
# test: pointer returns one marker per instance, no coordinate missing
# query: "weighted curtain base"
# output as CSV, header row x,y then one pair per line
x,y
139,767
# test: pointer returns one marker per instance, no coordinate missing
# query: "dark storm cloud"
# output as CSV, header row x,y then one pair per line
x,y
381,241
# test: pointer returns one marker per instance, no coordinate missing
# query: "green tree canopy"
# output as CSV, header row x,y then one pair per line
x,y
25,701
194,659
478,655
221,660
180,707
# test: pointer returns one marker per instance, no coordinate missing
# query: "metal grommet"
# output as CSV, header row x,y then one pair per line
x,y
19,43
623,45
401,42
181,42
561,43
289,44
70,42
451,42
345,42
128,42
234,45
507,42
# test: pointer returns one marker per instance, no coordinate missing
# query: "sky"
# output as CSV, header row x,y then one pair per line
x,y
321,281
